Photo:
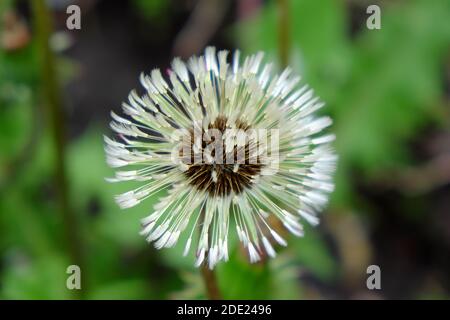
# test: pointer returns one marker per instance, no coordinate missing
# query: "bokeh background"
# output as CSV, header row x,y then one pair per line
x,y
387,91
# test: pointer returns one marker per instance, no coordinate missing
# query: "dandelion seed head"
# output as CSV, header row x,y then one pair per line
x,y
232,147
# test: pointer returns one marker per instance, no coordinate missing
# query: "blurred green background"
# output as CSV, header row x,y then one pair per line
x,y
387,91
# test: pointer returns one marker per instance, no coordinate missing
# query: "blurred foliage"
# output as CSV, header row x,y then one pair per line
x,y
381,87
152,9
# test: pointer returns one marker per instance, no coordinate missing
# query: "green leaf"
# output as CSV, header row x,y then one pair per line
x,y
238,279
312,254
270,279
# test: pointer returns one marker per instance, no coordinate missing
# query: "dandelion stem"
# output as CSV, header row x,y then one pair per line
x,y
283,32
210,280
54,112
209,276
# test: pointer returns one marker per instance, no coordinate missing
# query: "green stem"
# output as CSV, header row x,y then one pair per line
x,y
283,32
54,111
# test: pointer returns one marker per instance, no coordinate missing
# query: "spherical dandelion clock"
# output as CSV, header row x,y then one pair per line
x,y
232,148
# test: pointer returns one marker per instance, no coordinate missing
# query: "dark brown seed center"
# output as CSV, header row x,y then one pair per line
x,y
222,179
